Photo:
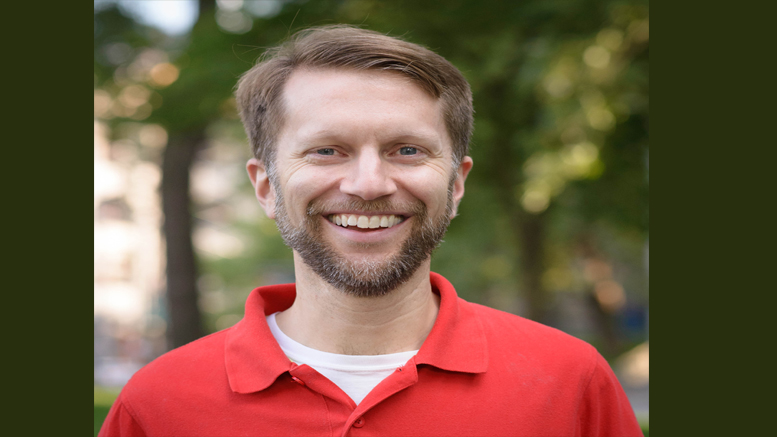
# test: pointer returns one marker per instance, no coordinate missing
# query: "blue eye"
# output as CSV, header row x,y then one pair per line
x,y
326,151
408,151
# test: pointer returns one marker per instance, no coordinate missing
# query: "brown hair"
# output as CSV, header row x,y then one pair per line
x,y
259,90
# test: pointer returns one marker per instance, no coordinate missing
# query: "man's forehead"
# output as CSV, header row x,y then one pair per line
x,y
334,84
320,102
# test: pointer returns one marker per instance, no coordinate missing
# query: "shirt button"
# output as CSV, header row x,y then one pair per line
x,y
358,423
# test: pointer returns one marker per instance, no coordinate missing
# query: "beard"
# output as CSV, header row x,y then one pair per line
x,y
363,278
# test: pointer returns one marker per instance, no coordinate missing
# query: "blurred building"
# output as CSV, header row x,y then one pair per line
x,y
128,263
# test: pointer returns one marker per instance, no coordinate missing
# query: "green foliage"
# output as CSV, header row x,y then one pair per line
x,y
100,413
104,396
103,399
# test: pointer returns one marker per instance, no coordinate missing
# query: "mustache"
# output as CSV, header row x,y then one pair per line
x,y
318,207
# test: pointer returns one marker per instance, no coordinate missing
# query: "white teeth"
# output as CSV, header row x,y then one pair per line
x,y
365,222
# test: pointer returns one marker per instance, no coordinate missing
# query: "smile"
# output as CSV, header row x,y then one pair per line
x,y
365,222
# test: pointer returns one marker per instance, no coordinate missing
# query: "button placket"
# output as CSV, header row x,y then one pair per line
x,y
358,423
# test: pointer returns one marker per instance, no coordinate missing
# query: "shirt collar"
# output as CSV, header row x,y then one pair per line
x,y
252,357
254,360
457,341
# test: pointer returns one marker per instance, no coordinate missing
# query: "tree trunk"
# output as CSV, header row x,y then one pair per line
x,y
532,235
506,165
206,6
184,321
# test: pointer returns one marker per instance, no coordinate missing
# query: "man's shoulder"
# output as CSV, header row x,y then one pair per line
x,y
200,360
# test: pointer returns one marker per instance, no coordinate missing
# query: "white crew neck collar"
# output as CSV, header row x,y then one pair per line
x,y
298,352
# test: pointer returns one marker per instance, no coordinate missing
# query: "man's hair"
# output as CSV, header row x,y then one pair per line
x,y
259,91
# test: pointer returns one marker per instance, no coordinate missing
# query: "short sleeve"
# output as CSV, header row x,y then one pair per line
x,y
605,409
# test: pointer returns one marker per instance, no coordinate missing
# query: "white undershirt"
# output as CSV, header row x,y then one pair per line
x,y
356,375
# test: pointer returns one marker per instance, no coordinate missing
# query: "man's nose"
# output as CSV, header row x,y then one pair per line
x,y
368,177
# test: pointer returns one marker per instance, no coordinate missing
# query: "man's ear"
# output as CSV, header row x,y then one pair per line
x,y
265,193
458,184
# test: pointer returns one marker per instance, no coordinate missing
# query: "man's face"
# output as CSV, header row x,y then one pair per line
x,y
370,150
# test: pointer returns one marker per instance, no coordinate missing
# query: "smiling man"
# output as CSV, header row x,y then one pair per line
x,y
360,143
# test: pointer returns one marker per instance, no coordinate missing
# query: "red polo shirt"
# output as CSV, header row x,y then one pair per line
x,y
480,372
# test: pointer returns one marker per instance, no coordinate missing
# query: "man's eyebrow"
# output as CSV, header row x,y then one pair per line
x,y
422,136
324,134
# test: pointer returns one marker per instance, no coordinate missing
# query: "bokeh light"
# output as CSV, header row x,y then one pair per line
x,y
163,74
596,56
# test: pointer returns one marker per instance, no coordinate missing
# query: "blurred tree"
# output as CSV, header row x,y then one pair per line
x,y
186,120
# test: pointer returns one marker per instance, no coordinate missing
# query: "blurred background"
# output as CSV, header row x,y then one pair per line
x,y
553,227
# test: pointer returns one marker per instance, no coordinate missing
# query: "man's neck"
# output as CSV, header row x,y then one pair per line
x,y
331,320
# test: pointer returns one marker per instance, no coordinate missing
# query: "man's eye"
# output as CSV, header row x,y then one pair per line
x,y
326,151
408,151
